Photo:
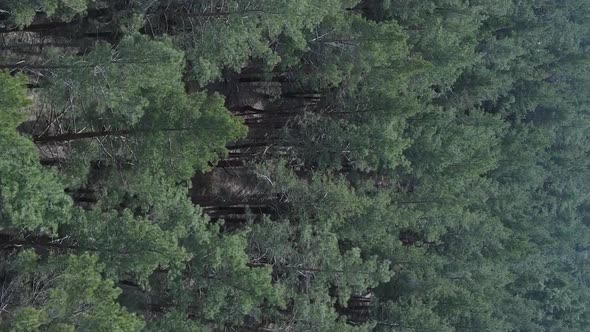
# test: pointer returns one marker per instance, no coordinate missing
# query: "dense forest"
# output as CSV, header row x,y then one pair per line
x,y
294,165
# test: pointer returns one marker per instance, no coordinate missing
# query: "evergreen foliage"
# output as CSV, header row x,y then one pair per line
x,y
301,165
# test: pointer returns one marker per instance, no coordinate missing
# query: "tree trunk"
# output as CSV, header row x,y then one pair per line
x,y
93,134
41,27
76,136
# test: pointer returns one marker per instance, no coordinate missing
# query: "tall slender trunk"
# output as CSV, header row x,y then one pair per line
x,y
41,27
417,202
15,66
77,136
94,134
218,14
24,65
11,242
247,145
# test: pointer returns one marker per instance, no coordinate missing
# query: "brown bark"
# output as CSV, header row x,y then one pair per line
x,y
83,135
40,27
94,134
24,65
214,14
247,145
